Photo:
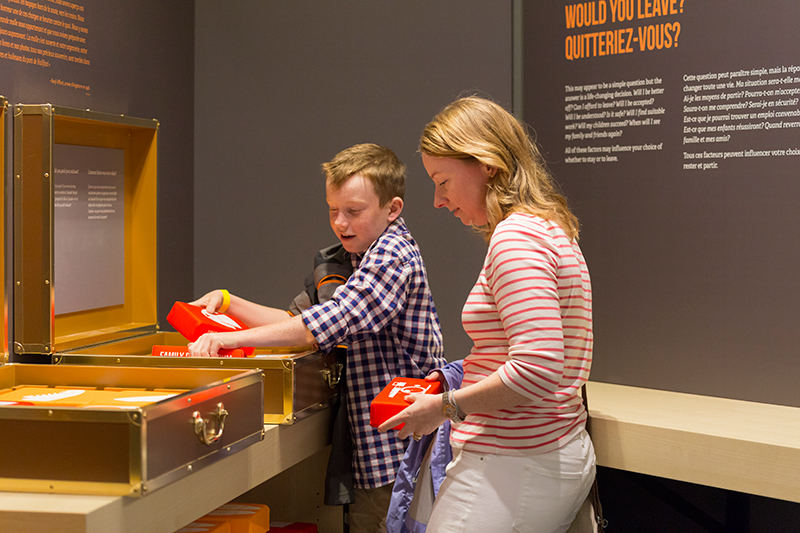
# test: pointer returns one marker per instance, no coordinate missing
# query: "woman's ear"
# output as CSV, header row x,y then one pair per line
x,y
395,208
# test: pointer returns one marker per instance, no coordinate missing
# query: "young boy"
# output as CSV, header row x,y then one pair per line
x,y
384,313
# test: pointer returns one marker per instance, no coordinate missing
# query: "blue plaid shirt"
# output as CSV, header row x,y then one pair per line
x,y
386,317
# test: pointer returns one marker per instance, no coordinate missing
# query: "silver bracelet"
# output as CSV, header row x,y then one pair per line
x,y
451,409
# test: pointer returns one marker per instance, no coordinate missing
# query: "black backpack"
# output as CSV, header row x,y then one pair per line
x,y
332,267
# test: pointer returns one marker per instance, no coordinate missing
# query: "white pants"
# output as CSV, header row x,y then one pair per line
x,y
504,494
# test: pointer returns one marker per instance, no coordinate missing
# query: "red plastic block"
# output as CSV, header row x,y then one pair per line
x,y
391,399
241,517
192,321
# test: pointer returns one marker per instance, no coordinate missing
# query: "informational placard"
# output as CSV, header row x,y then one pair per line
x,y
71,53
46,46
674,129
89,219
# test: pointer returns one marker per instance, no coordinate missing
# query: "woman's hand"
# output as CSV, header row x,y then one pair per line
x,y
422,417
209,345
211,301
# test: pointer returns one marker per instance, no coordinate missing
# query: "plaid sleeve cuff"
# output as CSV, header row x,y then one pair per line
x,y
327,323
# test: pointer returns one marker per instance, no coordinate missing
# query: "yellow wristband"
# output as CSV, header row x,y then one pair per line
x,y
226,301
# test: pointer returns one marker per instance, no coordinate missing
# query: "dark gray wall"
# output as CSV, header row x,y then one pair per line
x,y
281,87
694,273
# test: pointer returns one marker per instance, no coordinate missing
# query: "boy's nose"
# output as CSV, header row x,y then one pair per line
x,y
340,221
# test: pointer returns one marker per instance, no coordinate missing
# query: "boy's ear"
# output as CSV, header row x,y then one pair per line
x,y
395,208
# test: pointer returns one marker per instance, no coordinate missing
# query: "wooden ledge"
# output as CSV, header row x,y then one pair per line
x,y
730,444
177,504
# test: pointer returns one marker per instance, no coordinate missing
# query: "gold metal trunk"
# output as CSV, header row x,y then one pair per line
x,y
125,452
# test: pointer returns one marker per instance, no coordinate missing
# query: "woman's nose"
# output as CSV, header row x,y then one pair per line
x,y
439,200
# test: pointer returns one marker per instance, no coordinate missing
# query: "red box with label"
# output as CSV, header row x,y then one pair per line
x,y
391,399
164,350
192,321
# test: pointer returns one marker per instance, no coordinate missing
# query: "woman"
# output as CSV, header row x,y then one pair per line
x,y
522,458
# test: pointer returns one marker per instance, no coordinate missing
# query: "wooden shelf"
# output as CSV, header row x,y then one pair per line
x,y
742,446
176,505
731,444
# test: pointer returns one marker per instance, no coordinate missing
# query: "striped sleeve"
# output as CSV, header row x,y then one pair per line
x,y
521,273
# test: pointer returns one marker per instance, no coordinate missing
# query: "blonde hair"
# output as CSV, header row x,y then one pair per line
x,y
475,128
378,164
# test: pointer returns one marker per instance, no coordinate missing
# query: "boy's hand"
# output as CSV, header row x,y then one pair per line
x,y
436,375
422,417
211,301
208,345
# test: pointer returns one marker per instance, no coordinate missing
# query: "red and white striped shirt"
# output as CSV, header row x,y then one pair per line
x,y
530,318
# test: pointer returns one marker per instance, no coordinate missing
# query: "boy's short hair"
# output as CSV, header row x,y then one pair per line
x,y
377,163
